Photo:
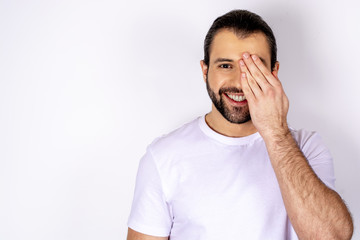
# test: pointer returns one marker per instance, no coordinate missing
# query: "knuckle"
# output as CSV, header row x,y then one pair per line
x,y
257,74
270,92
252,81
277,84
268,75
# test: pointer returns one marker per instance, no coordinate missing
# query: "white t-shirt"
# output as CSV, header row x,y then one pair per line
x,y
196,184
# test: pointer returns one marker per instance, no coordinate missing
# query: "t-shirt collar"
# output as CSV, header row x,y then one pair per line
x,y
225,139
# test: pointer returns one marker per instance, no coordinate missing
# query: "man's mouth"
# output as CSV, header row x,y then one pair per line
x,y
236,98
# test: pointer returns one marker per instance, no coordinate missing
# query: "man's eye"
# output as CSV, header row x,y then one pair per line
x,y
225,66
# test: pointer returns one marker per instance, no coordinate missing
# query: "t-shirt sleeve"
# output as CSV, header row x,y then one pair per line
x,y
319,158
150,213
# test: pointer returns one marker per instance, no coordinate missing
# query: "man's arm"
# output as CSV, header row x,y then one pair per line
x,y
134,235
315,211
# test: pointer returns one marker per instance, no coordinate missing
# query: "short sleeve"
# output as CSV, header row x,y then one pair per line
x,y
150,213
320,159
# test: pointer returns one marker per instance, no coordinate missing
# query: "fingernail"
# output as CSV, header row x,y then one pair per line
x,y
242,63
246,55
254,57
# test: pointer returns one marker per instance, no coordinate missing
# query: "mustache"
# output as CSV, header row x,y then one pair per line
x,y
230,89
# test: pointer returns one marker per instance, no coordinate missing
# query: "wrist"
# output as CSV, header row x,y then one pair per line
x,y
277,134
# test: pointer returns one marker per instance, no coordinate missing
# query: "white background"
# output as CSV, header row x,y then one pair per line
x,y
85,86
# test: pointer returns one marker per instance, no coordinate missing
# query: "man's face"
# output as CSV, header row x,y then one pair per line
x,y
222,76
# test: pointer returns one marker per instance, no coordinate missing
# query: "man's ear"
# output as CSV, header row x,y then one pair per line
x,y
204,69
275,70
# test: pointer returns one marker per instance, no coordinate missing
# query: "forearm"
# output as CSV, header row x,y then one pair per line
x,y
315,211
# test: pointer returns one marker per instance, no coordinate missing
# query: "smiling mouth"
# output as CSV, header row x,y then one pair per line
x,y
236,98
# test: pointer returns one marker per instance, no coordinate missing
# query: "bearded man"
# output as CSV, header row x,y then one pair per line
x,y
239,172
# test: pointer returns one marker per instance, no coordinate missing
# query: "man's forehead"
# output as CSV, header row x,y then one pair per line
x,y
228,45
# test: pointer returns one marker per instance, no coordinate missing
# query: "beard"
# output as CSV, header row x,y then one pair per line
x,y
232,114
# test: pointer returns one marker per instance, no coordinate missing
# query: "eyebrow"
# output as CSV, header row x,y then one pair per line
x,y
230,60
223,60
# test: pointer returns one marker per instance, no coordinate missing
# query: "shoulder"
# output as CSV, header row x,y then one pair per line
x,y
303,136
310,143
317,154
180,140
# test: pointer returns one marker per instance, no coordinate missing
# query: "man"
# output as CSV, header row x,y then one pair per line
x,y
239,172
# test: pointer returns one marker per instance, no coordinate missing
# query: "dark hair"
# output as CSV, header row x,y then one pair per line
x,y
243,23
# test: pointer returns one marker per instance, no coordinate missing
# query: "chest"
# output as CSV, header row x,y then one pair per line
x,y
235,186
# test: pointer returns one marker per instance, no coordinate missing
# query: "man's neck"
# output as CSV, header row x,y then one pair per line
x,y
219,124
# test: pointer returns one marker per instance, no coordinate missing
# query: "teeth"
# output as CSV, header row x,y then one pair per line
x,y
237,97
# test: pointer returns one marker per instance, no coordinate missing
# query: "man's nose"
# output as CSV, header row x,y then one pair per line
x,y
236,78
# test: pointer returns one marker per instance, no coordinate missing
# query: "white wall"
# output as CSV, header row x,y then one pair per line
x,y
86,85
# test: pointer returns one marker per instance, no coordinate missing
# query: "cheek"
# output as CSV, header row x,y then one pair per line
x,y
219,79
214,81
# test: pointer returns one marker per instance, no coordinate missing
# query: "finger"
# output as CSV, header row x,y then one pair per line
x,y
256,73
246,88
254,86
271,79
